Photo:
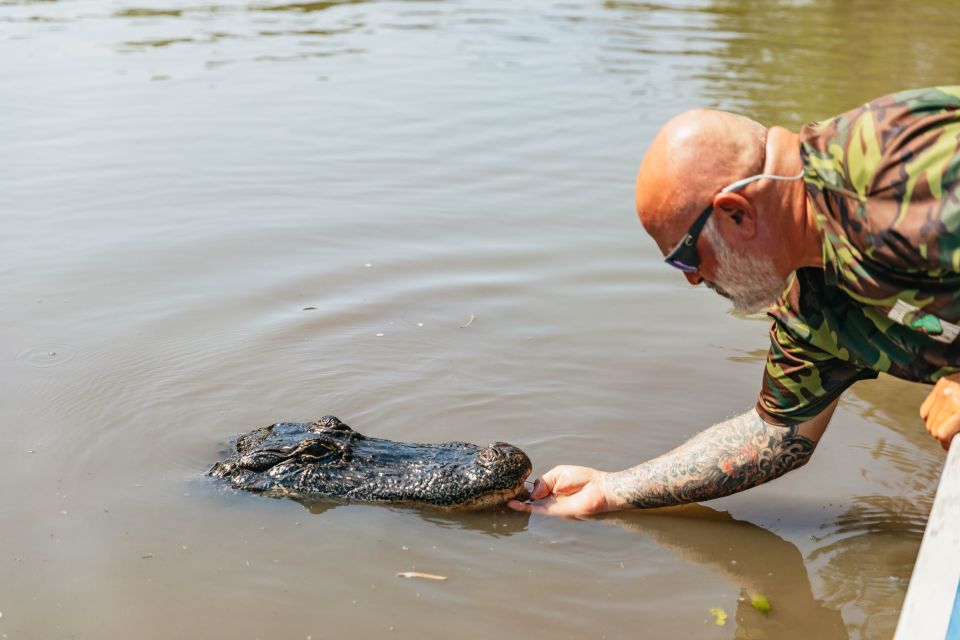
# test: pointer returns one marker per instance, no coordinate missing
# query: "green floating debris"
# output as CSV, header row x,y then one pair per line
x,y
760,603
719,616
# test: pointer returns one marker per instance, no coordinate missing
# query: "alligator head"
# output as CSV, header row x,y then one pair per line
x,y
328,459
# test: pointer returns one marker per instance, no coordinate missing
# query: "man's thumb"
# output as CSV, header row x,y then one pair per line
x,y
540,489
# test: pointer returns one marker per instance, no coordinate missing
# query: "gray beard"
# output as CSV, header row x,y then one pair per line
x,y
749,282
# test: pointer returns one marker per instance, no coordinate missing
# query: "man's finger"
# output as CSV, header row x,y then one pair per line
x,y
946,440
937,414
542,507
516,505
925,407
542,487
546,484
946,432
928,420
549,507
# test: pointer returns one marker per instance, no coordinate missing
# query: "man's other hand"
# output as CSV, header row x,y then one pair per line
x,y
941,409
570,491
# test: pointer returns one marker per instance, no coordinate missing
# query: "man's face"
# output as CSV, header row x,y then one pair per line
x,y
749,281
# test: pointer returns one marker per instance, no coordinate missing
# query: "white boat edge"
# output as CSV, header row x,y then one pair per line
x,y
934,593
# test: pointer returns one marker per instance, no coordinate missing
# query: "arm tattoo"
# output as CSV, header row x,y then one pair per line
x,y
740,453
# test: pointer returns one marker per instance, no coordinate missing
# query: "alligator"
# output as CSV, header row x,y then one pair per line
x,y
328,459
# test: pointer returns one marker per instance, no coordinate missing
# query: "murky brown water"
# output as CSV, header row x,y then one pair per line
x,y
181,180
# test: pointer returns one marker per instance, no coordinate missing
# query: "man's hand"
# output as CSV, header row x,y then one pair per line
x,y
941,409
570,491
726,458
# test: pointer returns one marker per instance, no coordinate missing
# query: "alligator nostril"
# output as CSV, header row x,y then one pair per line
x,y
489,456
329,423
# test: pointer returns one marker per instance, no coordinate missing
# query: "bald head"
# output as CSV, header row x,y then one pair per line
x,y
693,156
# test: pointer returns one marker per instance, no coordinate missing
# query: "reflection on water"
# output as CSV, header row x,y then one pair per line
x,y
757,561
399,167
495,522
874,527
161,42
781,63
245,26
140,12
787,63
304,7
887,527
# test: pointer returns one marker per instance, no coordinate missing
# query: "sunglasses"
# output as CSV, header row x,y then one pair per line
x,y
684,256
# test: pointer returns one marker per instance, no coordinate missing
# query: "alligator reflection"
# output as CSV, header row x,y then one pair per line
x,y
499,523
757,560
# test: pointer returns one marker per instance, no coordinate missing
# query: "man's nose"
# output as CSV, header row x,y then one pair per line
x,y
693,278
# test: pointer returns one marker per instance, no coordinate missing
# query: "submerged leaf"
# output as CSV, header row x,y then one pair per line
x,y
760,603
719,616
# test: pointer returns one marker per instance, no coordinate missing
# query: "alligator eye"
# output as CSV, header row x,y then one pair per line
x,y
317,449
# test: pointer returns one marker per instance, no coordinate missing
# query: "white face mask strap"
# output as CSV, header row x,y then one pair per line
x,y
740,184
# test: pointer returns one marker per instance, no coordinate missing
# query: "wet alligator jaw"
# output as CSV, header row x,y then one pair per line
x,y
328,459
493,499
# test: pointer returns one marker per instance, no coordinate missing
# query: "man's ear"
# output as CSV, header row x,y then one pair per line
x,y
736,213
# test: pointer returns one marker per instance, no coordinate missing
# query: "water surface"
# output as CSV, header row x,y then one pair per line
x,y
218,216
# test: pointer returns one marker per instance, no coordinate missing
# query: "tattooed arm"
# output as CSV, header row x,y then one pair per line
x,y
728,457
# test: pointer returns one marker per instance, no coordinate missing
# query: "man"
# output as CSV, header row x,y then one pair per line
x,y
848,234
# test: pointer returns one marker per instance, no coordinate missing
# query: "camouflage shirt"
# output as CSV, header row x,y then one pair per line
x,y
883,182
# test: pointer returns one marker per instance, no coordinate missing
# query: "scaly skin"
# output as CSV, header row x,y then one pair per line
x,y
328,459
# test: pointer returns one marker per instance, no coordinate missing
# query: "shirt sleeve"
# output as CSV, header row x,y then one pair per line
x,y
888,175
801,380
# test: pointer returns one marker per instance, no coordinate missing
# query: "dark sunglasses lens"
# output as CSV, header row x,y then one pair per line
x,y
681,265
